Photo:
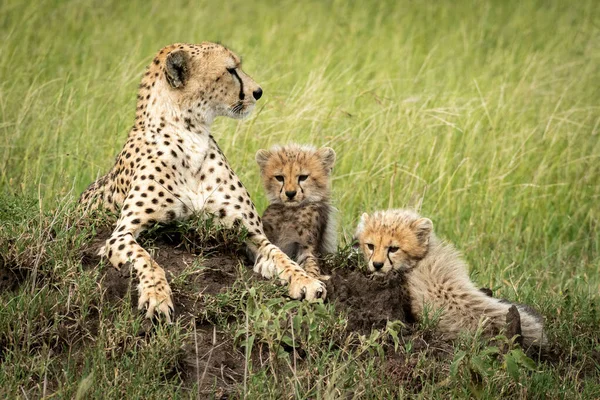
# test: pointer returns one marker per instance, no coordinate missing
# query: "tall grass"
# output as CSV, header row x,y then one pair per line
x,y
485,114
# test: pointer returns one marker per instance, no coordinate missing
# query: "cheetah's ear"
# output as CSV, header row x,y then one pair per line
x,y
361,224
423,228
327,156
176,69
262,156
364,217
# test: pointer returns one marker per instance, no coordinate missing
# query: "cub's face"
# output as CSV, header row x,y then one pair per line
x,y
207,80
393,240
295,174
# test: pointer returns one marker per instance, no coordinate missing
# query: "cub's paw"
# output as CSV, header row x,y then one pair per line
x,y
156,299
304,287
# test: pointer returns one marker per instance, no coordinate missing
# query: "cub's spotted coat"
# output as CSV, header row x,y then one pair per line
x,y
299,219
401,240
171,167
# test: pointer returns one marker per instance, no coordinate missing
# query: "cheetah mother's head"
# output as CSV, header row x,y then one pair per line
x,y
197,83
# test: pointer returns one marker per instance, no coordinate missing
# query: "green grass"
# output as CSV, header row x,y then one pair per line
x,y
484,114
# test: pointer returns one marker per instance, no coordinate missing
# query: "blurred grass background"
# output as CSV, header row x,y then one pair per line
x,y
486,114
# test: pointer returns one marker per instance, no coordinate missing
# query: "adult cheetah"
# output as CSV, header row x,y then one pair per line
x,y
171,167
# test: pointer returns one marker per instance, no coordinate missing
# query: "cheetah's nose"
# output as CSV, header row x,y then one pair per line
x,y
377,265
290,194
257,93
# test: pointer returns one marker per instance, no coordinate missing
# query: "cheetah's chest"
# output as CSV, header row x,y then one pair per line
x,y
207,178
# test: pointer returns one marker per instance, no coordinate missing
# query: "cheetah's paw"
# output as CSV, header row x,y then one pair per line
x,y
304,287
156,301
265,266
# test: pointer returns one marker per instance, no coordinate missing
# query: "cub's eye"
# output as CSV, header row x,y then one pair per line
x,y
231,70
370,246
279,178
393,249
302,178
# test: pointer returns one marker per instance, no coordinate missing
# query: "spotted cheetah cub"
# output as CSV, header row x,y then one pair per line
x,y
299,220
401,240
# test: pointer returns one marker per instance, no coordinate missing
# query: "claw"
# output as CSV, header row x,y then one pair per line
x,y
155,306
168,316
149,312
302,293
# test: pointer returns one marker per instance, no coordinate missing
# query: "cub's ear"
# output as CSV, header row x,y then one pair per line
x,y
262,156
361,224
423,228
176,69
327,156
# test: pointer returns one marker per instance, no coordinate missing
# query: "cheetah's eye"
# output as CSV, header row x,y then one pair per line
x,y
302,178
279,178
370,247
393,249
231,70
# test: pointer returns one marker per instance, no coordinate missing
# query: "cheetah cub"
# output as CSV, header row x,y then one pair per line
x,y
299,220
401,240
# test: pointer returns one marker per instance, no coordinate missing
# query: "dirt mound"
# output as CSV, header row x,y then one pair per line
x,y
211,360
369,301
196,269
10,278
197,272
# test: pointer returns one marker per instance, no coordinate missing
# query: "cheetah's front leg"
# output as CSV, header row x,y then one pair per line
x,y
122,248
309,261
270,260
153,289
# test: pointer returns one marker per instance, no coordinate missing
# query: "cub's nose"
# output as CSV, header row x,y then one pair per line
x,y
257,93
290,194
377,265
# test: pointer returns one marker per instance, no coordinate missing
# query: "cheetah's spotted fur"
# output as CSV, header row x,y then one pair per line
x,y
171,167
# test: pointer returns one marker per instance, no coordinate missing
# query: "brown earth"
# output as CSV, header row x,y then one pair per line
x,y
369,302
211,357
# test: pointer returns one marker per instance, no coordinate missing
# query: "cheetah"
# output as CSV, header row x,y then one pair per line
x,y
299,219
171,168
403,241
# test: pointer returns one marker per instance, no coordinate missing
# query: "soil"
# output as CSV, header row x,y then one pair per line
x,y
219,271
369,302
210,357
10,278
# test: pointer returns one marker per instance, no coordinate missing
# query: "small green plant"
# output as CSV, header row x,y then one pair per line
x,y
477,361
